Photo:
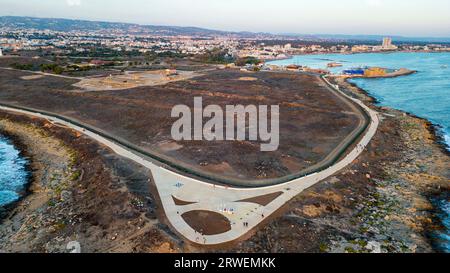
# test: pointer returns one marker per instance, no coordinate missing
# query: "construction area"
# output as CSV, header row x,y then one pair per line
x,y
133,79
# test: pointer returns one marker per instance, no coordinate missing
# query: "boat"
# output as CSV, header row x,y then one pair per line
x,y
334,64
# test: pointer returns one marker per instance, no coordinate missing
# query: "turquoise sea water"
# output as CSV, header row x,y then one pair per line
x,y
425,94
443,237
13,172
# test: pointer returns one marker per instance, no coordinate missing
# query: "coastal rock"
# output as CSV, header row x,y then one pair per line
x,y
74,247
374,247
66,196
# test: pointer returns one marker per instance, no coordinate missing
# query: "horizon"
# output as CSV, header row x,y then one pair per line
x,y
430,18
237,31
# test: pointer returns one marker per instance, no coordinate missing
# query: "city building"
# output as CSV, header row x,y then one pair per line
x,y
375,72
360,48
387,44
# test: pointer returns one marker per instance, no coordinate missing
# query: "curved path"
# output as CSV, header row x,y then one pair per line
x,y
331,158
202,196
42,73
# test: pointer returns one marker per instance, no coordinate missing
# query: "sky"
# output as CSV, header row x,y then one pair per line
x,y
416,18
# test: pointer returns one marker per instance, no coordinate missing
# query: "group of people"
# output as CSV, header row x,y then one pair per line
x,y
227,211
360,147
197,239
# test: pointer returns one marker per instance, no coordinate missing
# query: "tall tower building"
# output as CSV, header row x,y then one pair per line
x,y
387,42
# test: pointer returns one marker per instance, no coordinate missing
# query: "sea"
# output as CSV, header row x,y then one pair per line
x,y
14,174
425,94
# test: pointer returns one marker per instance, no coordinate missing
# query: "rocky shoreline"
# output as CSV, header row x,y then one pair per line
x,y
379,204
21,147
80,193
437,139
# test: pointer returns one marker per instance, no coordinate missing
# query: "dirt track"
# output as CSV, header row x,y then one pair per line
x,y
313,121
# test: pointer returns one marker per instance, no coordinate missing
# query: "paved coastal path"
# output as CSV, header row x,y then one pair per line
x,y
42,73
198,195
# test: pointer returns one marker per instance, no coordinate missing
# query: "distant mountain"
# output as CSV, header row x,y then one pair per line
x,y
66,25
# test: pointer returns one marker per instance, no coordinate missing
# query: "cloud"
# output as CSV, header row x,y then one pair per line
x,y
73,3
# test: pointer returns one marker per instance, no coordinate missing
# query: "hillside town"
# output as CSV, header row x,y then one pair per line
x,y
262,47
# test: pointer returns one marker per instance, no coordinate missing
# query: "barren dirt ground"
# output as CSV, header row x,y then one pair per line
x,y
313,121
80,192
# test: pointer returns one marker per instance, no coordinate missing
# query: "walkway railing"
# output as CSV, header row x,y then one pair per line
x,y
210,177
